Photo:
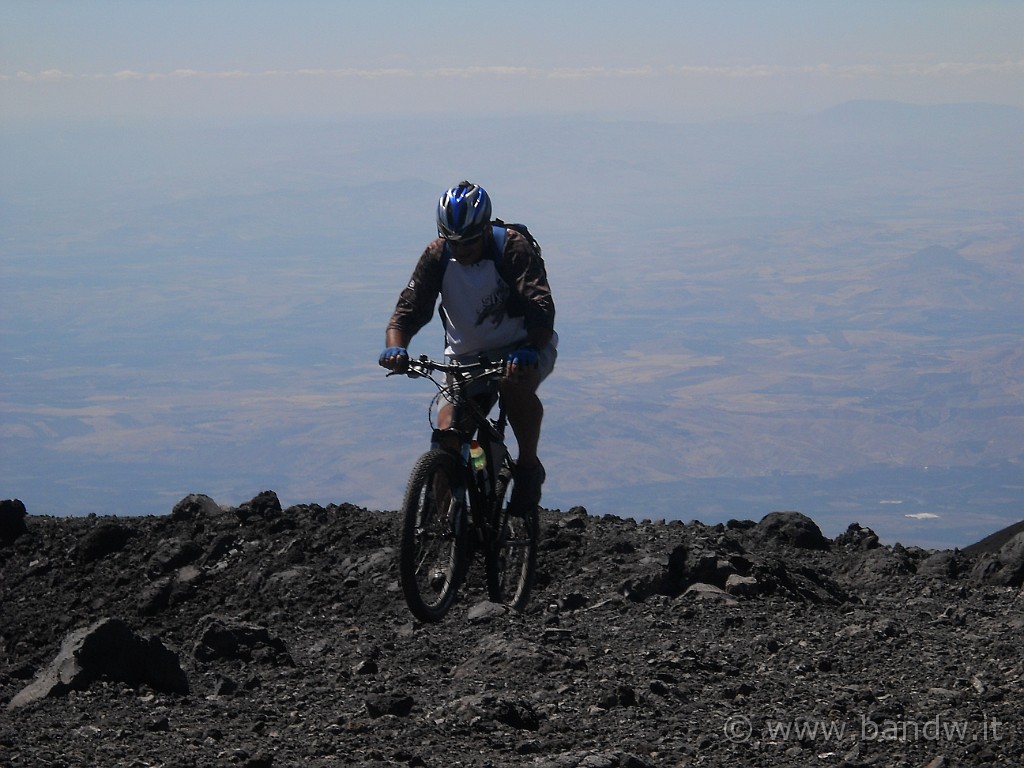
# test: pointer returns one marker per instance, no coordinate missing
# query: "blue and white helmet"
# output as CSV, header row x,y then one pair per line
x,y
463,212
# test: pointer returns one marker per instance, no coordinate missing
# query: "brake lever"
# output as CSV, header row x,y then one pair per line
x,y
411,372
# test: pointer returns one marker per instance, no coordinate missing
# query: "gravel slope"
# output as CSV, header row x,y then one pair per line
x,y
645,644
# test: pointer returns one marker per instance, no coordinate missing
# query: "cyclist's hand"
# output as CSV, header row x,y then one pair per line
x,y
395,359
522,359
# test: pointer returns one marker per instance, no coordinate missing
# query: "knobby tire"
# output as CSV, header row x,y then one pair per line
x,y
432,552
511,558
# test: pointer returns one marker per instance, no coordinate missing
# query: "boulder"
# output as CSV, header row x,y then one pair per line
x,y
745,586
1006,567
263,506
220,637
109,648
944,565
857,536
701,591
486,611
174,553
195,506
396,704
12,520
689,564
874,568
792,528
103,539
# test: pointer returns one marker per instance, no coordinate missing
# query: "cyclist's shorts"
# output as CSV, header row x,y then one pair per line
x,y
485,392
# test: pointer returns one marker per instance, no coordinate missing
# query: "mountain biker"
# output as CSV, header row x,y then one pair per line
x,y
495,304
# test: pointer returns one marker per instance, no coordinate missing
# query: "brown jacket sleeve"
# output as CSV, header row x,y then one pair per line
x,y
524,268
416,303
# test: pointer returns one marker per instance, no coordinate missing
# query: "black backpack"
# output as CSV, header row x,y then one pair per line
x,y
499,235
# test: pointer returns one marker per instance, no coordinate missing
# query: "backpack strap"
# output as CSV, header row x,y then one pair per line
x,y
498,226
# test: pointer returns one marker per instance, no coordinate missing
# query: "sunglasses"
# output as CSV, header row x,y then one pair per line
x,y
457,241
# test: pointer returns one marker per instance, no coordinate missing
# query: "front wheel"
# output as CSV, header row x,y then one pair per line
x,y
433,546
511,559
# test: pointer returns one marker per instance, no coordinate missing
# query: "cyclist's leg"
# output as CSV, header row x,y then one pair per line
x,y
444,416
525,415
524,407
483,393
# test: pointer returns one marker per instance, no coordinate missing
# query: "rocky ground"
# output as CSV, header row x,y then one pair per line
x,y
256,636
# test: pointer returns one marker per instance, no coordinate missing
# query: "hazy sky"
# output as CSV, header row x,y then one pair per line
x,y
171,295
661,58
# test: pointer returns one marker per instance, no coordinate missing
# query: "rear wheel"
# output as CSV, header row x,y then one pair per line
x,y
433,545
511,559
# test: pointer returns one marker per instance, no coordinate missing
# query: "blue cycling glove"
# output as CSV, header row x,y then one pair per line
x,y
527,357
395,358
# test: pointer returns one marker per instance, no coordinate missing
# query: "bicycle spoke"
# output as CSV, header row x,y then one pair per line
x,y
512,556
432,545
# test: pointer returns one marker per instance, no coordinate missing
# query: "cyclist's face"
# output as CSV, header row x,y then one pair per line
x,y
467,251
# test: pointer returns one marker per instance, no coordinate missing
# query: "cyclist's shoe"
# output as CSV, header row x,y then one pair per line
x,y
526,489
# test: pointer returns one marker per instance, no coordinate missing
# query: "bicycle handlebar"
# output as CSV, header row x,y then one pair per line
x,y
461,376
424,366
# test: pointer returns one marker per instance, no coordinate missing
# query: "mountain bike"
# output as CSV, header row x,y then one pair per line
x,y
456,501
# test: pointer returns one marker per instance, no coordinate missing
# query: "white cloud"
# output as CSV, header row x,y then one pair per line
x,y
591,73
690,91
964,68
49,75
943,69
923,516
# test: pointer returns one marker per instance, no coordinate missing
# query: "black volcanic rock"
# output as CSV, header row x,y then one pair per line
x,y
105,538
1005,567
793,528
857,536
264,505
941,565
195,506
109,648
220,637
646,643
12,520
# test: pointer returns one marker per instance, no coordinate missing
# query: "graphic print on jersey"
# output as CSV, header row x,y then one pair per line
x,y
494,307
474,307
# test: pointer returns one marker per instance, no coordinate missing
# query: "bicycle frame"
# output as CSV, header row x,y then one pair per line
x,y
438,536
490,433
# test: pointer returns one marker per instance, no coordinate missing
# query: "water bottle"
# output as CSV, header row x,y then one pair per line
x,y
479,461
476,456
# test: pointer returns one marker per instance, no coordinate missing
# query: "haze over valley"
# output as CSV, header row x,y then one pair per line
x,y
814,312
